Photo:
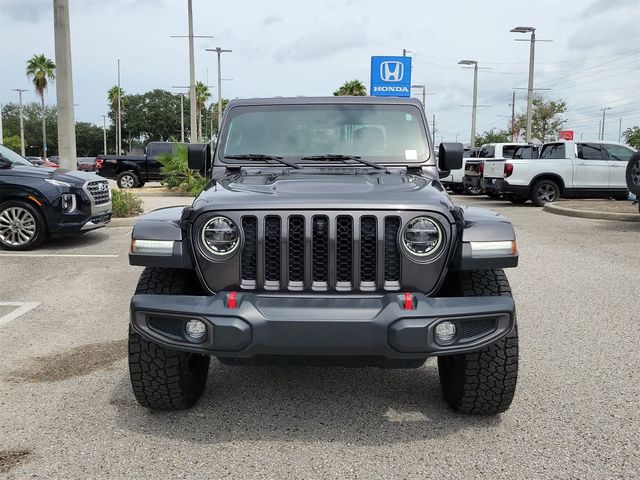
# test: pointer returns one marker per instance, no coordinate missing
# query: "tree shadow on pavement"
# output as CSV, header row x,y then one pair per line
x,y
368,406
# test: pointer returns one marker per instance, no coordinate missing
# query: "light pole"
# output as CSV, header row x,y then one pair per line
x,y
104,131
424,93
2,133
181,111
20,90
604,111
532,51
219,50
474,107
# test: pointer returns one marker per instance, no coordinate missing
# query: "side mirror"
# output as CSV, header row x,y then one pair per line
x,y
199,156
450,156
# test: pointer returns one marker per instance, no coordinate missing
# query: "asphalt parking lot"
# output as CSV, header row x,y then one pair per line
x,y
67,410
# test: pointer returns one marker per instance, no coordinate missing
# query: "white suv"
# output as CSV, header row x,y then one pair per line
x,y
568,169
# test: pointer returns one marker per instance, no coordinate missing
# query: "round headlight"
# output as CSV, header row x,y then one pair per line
x,y
220,236
422,236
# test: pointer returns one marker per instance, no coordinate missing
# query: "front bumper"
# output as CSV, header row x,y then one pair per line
x,y
322,325
492,185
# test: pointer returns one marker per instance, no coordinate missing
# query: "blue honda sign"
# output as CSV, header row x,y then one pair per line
x,y
391,76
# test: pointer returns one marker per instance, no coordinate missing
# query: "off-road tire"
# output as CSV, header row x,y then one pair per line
x,y
544,183
127,180
162,378
481,382
41,233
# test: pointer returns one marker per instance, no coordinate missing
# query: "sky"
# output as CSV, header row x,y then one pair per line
x,y
297,47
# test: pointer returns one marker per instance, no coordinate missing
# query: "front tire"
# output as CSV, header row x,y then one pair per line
x,y
163,378
632,174
481,382
22,226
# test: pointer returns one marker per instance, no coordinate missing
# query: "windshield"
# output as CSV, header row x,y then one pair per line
x,y
13,157
380,133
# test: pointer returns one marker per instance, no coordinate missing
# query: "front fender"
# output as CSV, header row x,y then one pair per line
x,y
481,225
161,225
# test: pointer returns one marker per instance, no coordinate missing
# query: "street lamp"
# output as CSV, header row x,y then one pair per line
x,y
604,111
532,50
20,90
219,50
475,98
104,132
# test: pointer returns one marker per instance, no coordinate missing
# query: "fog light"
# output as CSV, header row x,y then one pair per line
x,y
445,331
195,328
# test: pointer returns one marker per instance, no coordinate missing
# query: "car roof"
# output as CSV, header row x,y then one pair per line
x,y
355,100
598,142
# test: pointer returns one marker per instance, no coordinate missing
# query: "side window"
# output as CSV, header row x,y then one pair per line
x,y
590,151
618,152
509,150
487,152
553,151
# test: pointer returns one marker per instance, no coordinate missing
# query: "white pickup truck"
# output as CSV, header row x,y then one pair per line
x,y
454,180
564,168
474,168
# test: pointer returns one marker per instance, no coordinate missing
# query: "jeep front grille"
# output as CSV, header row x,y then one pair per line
x,y
99,190
320,252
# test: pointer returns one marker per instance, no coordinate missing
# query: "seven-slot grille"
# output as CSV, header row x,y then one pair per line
x,y
99,190
319,252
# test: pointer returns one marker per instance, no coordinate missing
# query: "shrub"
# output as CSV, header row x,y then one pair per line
x,y
177,174
125,204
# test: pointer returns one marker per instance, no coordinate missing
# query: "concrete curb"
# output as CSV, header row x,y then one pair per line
x,y
593,214
122,222
158,194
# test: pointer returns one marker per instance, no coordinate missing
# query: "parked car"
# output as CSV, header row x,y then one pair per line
x,y
568,169
495,168
41,162
133,171
474,169
325,235
453,181
38,202
86,164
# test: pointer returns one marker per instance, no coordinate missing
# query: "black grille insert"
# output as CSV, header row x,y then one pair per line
x,y
391,251
296,248
368,250
344,249
272,249
250,250
320,253
477,328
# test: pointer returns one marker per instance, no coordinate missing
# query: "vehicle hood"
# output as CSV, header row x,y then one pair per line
x,y
330,190
69,176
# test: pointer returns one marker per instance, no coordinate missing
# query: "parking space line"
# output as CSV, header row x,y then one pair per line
x,y
23,307
63,255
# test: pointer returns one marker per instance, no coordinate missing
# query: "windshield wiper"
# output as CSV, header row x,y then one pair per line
x,y
260,156
330,156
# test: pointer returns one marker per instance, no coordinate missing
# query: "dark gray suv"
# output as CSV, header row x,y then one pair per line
x,y
324,236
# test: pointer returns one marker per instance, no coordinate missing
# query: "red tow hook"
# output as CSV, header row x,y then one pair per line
x,y
232,300
409,303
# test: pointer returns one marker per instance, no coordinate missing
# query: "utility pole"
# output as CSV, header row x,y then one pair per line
x,y
599,129
433,128
192,75
20,90
182,117
474,107
424,93
604,111
119,122
513,117
104,131
1,132
219,50
619,130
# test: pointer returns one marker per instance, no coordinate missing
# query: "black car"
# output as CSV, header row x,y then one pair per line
x,y
324,235
37,202
133,171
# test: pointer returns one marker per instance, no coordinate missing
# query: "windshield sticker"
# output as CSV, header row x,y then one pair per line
x,y
408,117
410,155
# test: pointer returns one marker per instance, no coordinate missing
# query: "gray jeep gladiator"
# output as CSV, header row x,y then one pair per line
x,y
324,237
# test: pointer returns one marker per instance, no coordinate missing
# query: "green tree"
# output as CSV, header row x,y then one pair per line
x,y
12,142
202,95
32,114
493,136
177,174
41,70
89,139
546,120
153,115
632,137
353,88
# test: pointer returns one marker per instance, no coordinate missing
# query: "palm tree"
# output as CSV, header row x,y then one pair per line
x,y
202,95
41,70
113,94
351,88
